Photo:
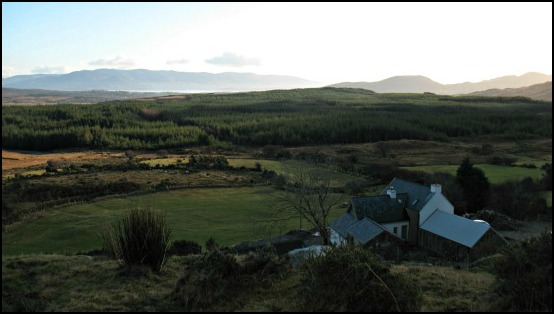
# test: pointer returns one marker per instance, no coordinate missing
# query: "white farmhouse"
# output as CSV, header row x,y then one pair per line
x,y
418,215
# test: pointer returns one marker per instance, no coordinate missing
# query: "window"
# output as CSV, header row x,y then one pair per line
x,y
395,230
404,232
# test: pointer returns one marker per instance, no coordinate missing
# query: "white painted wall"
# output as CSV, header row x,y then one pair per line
x,y
398,225
336,239
437,201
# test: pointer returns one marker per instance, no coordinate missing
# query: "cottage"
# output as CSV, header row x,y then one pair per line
x,y
415,214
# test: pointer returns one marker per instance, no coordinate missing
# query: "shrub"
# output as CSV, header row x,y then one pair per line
x,y
212,245
517,200
354,187
502,160
276,151
525,274
140,238
352,278
547,176
185,247
208,162
258,167
217,277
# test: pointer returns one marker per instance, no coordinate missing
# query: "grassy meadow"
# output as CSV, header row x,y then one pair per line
x,y
496,174
229,215
338,178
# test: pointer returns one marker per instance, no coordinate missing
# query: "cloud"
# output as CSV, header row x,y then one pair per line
x,y
234,60
7,71
49,70
117,62
179,61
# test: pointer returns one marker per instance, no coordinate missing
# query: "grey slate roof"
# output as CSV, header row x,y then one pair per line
x,y
343,223
381,208
455,228
419,194
365,230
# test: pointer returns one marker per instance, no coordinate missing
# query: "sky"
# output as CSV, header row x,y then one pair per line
x,y
322,42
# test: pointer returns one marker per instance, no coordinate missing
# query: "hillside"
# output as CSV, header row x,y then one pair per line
x,y
85,283
538,91
318,116
15,96
147,80
421,84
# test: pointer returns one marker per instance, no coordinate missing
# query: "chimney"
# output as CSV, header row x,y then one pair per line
x,y
436,188
391,192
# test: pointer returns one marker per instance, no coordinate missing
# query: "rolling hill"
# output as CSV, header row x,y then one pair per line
x,y
15,96
147,80
538,91
421,84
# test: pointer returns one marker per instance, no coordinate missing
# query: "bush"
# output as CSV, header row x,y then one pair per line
x,y
185,247
216,277
547,176
258,167
208,162
354,187
517,200
276,151
212,245
501,160
352,278
525,274
140,238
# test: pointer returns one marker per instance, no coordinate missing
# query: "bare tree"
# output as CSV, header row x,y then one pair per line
x,y
308,195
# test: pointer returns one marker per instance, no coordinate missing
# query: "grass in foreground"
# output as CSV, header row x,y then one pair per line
x,y
81,283
446,289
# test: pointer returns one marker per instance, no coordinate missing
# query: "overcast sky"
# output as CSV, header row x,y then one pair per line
x,y
324,42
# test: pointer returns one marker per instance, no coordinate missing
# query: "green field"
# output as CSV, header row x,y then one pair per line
x,y
38,172
230,215
337,177
496,174
163,161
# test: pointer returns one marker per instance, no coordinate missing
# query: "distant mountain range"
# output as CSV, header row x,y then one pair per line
x,y
538,91
421,84
147,80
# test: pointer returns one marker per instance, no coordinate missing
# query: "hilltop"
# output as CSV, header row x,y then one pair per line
x,y
538,91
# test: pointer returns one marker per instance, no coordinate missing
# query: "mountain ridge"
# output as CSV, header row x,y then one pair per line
x,y
149,80
541,91
421,84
